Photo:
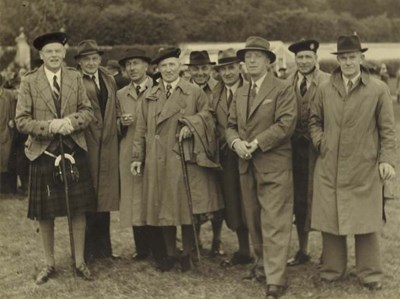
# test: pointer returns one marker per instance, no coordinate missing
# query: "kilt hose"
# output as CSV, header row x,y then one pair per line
x,y
47,199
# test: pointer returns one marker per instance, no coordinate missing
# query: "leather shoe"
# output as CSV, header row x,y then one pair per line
x,y
83,271
373,286
216,249
298,259
166,264
274,291
258,274
140,256
45,274
237,259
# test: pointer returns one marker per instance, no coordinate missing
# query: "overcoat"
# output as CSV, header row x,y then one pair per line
x,y
102,141
131,206
304,153
156,144
353,132
229,177
8,101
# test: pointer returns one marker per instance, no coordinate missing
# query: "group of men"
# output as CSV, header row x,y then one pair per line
x,y
249,149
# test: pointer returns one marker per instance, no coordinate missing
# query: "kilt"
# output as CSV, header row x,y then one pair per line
x,y
47,199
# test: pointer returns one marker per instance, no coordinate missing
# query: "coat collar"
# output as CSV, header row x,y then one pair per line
x,y
266,88
337,80
131,91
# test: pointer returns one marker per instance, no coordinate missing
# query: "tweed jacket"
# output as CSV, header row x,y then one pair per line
x,y
36,109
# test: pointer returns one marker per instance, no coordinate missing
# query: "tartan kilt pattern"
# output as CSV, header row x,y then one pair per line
x,y
47,199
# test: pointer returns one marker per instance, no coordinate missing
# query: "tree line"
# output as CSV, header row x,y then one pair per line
x,y
118,22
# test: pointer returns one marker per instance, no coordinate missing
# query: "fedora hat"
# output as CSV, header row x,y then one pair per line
x,y
166,53
227,57
87,47
349,43
134,53
53,37
304,45
199,58
256,43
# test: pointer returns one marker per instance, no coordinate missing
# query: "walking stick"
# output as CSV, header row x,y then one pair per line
x,y
189,197
64,175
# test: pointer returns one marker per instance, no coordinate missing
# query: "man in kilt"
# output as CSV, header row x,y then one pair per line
x,y
52,102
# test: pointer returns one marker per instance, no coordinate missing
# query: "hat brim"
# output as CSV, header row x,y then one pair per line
x,y
193,64
217,66
89,53
144,58
350,51
240,53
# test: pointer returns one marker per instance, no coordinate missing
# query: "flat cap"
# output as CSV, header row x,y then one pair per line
x,y
53,37
304,45
166,53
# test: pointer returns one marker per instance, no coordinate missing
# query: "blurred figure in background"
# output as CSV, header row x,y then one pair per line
x,y
115,70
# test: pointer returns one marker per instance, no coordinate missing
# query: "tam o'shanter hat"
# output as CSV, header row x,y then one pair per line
x,y
227,57
88,47
134,53
53,37
256,43
304,45
349,43
166,53
199,58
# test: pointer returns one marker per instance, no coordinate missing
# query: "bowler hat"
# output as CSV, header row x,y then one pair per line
x,y
256,43
304,45
227,57
134,53
349,43
87,47
166,53
53,37
199,58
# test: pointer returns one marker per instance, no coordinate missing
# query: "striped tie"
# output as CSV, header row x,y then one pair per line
x,y
56,89
169,87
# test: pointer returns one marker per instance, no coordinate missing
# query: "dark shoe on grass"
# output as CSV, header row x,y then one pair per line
x,y
186,263
274,291
216,249
45,274
299,259
237,259
373,286
166,264
83,271
257,273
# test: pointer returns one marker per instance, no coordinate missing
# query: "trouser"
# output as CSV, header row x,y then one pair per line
x,y
97,241
268,207
8,182
334,257
149,240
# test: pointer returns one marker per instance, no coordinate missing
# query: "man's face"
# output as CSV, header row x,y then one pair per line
x,y
90,63
230,73
200,73
136,69
306,61
257,63
169,69
350,63
52,55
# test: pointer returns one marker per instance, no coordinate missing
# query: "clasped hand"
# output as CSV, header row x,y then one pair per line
x,y
245,149
60,126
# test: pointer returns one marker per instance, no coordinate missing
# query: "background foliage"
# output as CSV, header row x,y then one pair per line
x,y
116,22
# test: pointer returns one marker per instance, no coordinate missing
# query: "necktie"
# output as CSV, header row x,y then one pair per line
x,y
138,90
349,86
230,97
303,86
56,89
253,92
169,87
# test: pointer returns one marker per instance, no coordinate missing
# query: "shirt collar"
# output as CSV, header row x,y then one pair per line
x,y
50,76
353,80
142,85
259,81
234,87
173,84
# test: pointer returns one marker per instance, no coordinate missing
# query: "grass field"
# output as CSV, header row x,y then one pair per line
x,y
21,257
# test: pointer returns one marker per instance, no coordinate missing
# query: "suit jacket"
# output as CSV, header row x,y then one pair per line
x,y
271,120
36,109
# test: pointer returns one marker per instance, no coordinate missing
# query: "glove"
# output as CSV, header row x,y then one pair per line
x,y
60,126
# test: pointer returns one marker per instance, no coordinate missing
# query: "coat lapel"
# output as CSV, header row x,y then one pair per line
x,y
66,88
44,89
266,87
242,99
